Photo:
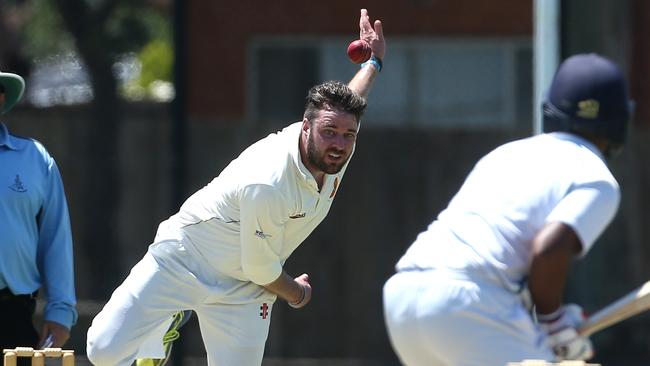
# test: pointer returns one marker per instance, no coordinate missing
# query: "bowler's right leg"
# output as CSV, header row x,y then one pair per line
x,y
137,307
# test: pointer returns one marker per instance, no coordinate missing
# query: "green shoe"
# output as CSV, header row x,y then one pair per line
x,y
146,362
172,334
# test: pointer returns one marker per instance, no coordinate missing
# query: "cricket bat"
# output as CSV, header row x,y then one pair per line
x,y
627,306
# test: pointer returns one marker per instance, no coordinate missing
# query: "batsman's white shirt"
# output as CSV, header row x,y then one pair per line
x,y
485,235
509,196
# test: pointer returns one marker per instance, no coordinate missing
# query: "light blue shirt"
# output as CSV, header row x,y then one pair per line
x,y
35,234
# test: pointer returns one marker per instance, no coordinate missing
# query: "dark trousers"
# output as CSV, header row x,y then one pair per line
x,y
16,323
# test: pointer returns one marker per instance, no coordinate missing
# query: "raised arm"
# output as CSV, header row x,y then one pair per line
x,y
362,81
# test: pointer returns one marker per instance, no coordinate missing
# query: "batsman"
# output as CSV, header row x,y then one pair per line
x,y
508,237
222,254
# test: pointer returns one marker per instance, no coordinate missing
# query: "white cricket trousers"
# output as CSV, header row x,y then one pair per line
x,y
156,288
440,317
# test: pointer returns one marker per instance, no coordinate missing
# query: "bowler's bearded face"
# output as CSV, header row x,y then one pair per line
x,y
331,140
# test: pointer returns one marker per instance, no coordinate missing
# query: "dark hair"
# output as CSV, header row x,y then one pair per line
x,y
335,95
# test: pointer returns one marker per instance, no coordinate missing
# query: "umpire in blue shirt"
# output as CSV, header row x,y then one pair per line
x,y
35,238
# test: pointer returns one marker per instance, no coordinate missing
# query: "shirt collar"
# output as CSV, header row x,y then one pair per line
x,y
294,150
6,139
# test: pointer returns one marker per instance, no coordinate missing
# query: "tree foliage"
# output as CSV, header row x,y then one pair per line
x,y
125,26
117,28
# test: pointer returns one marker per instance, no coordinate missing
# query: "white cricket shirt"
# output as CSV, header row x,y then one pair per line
x,y
250,218
508,197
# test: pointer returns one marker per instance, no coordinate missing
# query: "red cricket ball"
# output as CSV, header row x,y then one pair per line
x,y
359,51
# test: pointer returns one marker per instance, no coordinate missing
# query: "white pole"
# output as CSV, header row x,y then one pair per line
x,y
546,53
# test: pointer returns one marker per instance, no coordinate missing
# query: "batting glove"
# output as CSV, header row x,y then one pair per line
x,y
563,338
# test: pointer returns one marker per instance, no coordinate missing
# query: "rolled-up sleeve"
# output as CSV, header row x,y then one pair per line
x,y
262,219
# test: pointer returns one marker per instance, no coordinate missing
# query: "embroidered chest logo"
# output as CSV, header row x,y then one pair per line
x,y
18,185
264,311
336,186
260,234
298,216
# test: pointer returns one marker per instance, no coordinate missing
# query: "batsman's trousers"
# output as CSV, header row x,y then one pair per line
x,y
443,317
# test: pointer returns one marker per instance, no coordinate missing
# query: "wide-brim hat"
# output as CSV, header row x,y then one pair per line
x,y
14,86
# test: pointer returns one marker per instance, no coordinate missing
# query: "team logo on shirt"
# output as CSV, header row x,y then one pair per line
x,y
264,311
298,216
261,234
18,185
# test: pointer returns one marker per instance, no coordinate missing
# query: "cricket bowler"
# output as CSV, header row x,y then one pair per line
x,y
222,254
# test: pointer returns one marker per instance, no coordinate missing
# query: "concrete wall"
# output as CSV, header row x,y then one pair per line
x,y
397,182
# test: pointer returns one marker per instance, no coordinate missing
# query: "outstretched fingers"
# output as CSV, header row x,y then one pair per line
x,y
379,30
374,36
365,29
378,44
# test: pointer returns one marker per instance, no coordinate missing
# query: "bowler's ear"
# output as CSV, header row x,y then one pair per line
x,y
305,124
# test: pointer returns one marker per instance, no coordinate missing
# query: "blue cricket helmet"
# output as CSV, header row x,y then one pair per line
x,y
588,95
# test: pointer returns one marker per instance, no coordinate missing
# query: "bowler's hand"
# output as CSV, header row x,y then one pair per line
x,y
303,281
374,36
60,333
